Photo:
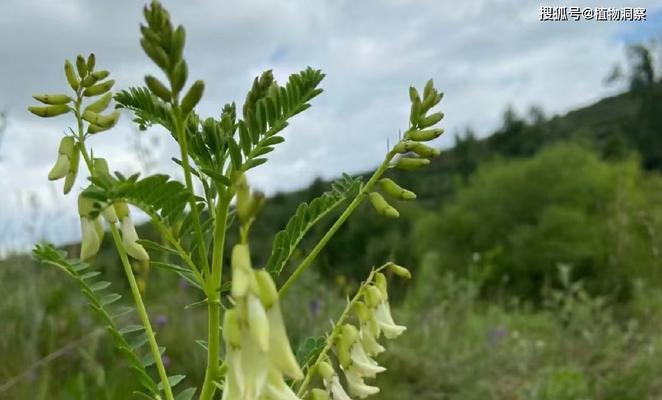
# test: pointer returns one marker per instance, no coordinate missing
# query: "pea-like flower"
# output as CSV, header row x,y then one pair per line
x,y
332,382
259,355
382,313
91,229
129,234
63,162
356,384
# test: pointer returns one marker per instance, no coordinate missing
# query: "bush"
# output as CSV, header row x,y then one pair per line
x,y
516,220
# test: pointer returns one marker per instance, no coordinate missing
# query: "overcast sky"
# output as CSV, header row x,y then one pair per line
x,y
484,54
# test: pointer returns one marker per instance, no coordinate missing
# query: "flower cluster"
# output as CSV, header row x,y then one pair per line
x,y
356,347
258,352
92,229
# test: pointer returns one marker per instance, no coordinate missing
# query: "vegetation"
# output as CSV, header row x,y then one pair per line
x,y
535,254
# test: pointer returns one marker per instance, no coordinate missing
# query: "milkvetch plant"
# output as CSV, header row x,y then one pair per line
x,y
249,355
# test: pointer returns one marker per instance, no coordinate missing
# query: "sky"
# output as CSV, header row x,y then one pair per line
x,y
485,55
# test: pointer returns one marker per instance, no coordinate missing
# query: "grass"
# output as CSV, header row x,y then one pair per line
x,y
458,346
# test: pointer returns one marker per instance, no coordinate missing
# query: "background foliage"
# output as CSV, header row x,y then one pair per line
x,y
535,252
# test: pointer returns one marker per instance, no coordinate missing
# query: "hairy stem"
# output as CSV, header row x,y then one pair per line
x,y
142,313
180,133
301,268
137,298
213,299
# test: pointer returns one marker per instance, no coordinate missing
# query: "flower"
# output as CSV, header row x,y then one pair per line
x,y
356,384
91,229
258,350
280,351
332,382
91,242
277,389
129,234
258,323
381,309
63,162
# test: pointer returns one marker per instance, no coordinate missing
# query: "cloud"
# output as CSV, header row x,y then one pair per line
x,y
483,54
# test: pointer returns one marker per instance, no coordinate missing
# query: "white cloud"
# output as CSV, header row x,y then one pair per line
x,y
483,54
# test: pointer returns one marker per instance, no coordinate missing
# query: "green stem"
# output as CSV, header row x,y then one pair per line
x,y
183,146
213,296
336,225
213,347
137,298
142,313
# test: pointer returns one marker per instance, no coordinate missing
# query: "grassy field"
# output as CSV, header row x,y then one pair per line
x,y
457,346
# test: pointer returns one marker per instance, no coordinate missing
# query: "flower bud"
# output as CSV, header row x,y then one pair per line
x,y
86,206
98,89
62,164
348,335
382,284
102,121
241,270
81,66
179,76
429,101
71,75
178,42
91,62
413,94
267,288
325,370
100,75
429,87
89,81
400,271
192,97
425,135
415,112
248,204
70,179
373,296
410,164
49,111
430,120
52,99
158,88
100,105
362,311
122,209
425,151
394,190
382,207
156,53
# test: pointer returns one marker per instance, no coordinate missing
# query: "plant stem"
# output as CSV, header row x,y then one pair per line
x,y
183,146
213,347
137,298
213,299
336,225
142,312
